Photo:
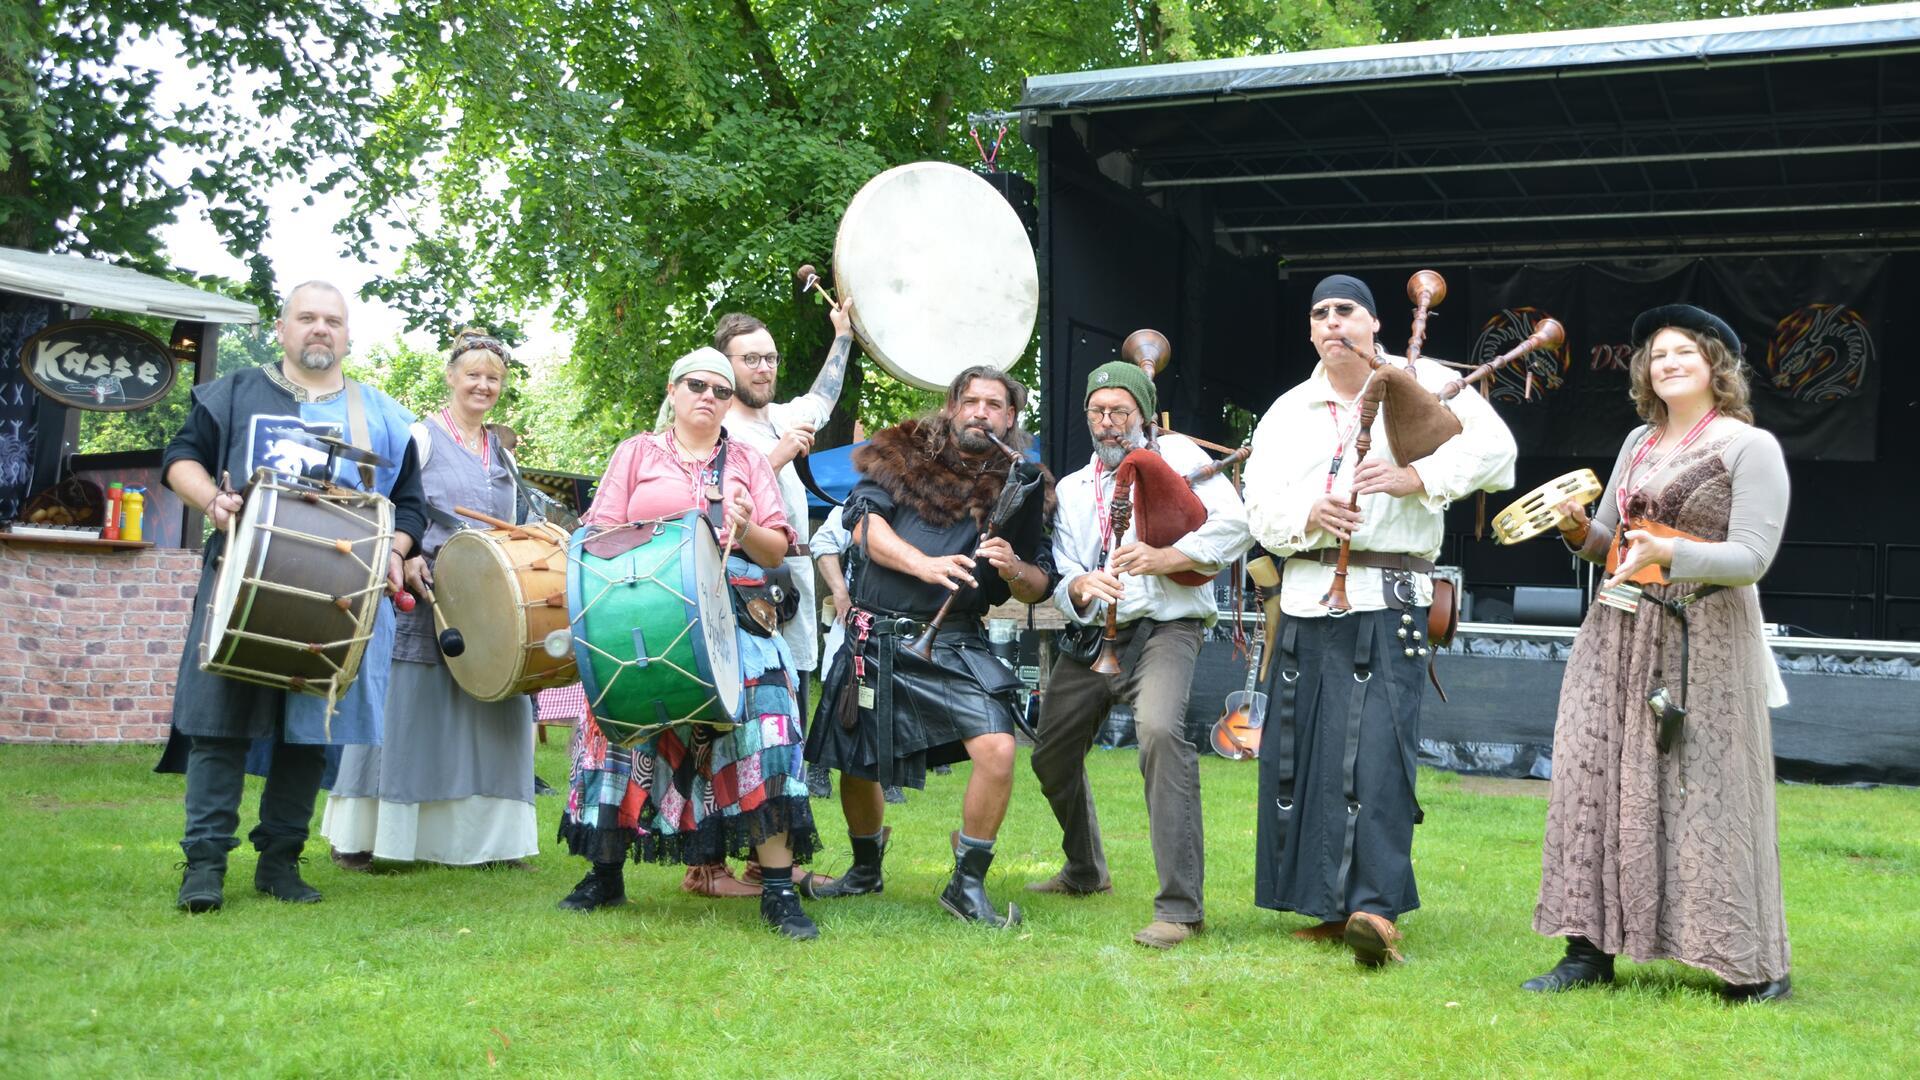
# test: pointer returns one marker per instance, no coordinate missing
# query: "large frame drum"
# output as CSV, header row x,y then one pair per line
x,y
505,590
941,273
653,627
299,585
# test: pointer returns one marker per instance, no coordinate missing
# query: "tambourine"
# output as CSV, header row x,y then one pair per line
x,y
1539,510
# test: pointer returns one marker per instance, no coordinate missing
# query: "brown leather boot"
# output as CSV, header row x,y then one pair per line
x,y
1326,931
1160,934
715,880
1373,938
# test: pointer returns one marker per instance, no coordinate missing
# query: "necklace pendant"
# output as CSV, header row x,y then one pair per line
x,y
713,493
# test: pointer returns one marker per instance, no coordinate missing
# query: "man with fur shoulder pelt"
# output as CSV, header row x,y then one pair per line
x,y
919,519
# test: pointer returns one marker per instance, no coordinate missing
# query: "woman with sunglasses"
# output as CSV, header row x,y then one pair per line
x,y
748,793
452,782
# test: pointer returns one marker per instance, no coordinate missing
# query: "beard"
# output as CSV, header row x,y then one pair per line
x,y
317,358
1111,456
750,398
973,438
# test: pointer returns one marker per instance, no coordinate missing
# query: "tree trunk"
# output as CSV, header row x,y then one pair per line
x,y
779,92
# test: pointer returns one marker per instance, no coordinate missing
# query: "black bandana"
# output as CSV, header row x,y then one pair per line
x,y
1345,287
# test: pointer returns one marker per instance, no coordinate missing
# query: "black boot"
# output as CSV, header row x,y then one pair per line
x,y
604,886
780,906
206,875
278,873
1779,989
1584,965
966,892
860,879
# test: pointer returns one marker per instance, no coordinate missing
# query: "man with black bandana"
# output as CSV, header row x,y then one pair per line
x,y
917,519
1337,803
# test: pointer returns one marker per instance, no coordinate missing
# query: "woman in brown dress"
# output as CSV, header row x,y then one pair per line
x,y
1661,841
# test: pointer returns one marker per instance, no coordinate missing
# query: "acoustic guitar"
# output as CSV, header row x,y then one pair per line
x,y
1236,735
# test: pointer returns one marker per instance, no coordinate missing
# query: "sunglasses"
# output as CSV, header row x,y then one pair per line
x,y
696,387
1345,311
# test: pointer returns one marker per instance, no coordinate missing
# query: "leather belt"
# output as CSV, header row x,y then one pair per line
x,y
907,627
1383,560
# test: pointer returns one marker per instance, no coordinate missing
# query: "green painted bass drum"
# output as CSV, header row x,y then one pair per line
x,y
653,626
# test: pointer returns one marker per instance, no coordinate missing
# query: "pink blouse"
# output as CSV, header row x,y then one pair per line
x,y
646,480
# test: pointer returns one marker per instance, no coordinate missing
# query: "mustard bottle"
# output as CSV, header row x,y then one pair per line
x,y
134,500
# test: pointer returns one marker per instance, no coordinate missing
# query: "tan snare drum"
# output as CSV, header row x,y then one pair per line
x,y
505,590
299,585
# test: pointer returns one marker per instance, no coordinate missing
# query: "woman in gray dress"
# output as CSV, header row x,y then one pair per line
x,y
1661,840
453,781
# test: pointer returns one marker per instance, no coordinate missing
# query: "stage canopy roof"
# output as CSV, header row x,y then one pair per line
x,y
74,280
1776,133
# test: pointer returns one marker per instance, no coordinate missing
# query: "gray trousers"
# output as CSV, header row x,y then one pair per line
x,y
1071,712
216,780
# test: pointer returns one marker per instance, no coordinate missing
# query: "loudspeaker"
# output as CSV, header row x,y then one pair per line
x,y
1019,192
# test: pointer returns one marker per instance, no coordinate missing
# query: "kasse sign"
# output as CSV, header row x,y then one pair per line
x,y
98,365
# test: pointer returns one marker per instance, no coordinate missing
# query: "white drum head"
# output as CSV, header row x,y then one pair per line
x,y
940,271
717,627
246,549
479,595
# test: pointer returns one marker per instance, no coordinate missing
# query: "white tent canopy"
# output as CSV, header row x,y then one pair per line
x,y
74,280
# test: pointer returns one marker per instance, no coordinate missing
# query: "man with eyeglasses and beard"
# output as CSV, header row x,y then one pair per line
x,y
918,519
1160,628
264,416
1336,804
783,431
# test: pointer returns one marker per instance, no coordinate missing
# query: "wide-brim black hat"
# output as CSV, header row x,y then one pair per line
x,y
1686,317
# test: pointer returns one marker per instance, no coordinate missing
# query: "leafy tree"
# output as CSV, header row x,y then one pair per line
x,y
651,165
151,427
82,132
645,165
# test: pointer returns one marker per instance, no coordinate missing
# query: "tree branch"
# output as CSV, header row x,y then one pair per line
x,y
779,91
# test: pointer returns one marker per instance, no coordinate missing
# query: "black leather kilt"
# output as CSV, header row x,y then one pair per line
x,y
918,713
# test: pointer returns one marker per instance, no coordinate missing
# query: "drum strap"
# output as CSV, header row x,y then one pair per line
x,y
357,431
534,503
716,507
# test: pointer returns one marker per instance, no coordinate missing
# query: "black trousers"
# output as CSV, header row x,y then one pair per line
x,y
216,780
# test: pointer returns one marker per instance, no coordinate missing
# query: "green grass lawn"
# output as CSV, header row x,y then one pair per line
x,y
432,971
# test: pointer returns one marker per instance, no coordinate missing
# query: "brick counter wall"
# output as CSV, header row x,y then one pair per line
x,y
90,641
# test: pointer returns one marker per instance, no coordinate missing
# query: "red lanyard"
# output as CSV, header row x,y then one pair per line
x,y
1100,509
1625,494
1342,437
446,417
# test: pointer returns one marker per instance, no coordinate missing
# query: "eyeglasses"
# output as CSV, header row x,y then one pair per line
x,y
1122,415
754,360
1345,311
696,387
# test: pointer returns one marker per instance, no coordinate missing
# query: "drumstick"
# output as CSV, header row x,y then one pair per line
x,y
452,642
484,519
809,278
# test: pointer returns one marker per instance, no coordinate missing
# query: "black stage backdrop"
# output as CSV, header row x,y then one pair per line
x,y
1809,325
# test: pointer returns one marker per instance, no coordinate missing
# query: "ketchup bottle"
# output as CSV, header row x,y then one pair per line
x,y
110,529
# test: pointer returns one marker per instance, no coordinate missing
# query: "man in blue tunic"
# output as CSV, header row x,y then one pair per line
x,y
237,424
